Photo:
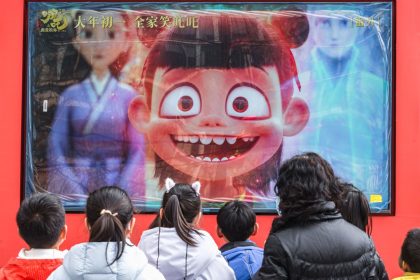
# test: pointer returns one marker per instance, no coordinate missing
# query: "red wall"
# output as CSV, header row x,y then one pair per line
x,y
388,232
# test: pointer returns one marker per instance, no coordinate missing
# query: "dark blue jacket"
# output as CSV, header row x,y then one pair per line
x,y
244,257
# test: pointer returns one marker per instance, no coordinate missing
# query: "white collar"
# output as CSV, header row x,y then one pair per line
x,y
41,254
99,84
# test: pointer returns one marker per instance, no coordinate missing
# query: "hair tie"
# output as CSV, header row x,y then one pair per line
x,y
105,211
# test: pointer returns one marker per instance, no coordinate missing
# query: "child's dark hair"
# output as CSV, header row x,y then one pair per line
x,y
236,220
304,185
355,208
410,250
181,205
40,219
109,211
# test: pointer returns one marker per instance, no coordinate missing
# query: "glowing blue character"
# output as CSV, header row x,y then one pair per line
x,y
348,123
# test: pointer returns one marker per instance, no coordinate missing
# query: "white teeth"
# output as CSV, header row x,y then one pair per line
x,y
213,159
231,140
193,139
205,140
219,140
250,139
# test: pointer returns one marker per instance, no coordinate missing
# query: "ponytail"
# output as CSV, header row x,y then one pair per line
x,y
109,210
181,204
108,228
173,217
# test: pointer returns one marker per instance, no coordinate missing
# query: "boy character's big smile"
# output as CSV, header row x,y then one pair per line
x,y
213,149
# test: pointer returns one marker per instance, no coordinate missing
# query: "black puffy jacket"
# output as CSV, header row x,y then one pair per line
x,y
323,247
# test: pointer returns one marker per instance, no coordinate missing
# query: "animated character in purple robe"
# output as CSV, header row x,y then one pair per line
x,y
92,142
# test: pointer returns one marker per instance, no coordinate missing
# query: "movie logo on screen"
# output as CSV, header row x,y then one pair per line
x,y
54,20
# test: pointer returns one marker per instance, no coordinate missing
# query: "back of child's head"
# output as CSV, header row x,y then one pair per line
x,y
109,211
355,208
410,250
40,219
181,205
236,220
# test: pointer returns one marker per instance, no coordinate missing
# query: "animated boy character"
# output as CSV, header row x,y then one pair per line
x,y
217,101
92,142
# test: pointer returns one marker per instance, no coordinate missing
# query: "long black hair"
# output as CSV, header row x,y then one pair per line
x,y
304,187
109,210
181,205
354,207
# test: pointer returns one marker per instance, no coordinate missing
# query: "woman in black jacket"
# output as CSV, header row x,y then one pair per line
x,y
310,240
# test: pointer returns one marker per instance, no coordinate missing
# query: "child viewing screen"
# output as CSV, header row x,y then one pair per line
x,y
175,245
41,223
109,253
410,255
236,223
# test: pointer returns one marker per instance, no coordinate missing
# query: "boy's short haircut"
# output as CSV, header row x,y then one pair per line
x,y
410,250
40,219
236,220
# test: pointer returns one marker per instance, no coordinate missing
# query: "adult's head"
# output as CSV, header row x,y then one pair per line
x,y
304,186
109,216
41,221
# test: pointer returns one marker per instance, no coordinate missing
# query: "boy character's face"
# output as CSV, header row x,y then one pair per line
x,y
215,123
100,45
334,36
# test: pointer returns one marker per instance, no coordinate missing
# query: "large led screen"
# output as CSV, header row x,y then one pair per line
x,y
129,94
